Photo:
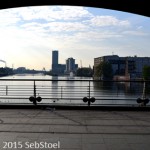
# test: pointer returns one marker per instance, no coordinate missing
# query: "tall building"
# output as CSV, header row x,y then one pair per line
x,y
54,59
57,69
70,65
54,62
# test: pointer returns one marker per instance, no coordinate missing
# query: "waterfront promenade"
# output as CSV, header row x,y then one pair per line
x,y
74,129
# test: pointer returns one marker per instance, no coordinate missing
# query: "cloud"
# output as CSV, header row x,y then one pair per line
x,y
66,26
61,30
55,26
75,12
102,21
32,32
49,13
140,27
135,33
97,36
7,18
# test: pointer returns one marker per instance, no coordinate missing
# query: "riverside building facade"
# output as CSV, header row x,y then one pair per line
x,y
123,65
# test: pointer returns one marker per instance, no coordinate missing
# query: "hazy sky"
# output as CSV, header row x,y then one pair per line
x,y
29,34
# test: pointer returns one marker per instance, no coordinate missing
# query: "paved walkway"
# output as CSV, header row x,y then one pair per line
x,y
74,129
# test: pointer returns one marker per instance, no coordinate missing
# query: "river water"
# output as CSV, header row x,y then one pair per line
x,y
70,91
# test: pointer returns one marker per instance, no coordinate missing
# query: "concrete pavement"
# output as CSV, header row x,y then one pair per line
x,y
74,129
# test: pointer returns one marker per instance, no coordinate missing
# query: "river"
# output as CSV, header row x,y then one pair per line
x,y
70,91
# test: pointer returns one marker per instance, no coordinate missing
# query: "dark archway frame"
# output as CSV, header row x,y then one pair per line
x,y
139,7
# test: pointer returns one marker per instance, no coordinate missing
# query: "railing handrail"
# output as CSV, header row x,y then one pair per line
x,y
43,80
83,80
64,91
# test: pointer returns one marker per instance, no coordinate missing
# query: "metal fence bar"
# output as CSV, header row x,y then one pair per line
x,y
68,94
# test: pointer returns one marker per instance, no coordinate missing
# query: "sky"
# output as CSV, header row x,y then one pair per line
x,y
28,35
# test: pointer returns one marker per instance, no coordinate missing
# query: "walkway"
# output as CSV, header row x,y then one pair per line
x,y
74,129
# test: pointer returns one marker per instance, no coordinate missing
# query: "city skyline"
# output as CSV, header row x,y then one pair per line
x,y
30,34
61,69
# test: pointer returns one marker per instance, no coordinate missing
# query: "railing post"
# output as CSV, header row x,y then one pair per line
x,y
89,99
34,89
34,101
61,92
89,102
89,90
6,90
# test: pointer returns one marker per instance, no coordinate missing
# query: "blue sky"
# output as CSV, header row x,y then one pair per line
x,y
29,34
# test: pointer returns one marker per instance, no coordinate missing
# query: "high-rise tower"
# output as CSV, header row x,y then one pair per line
x,y
70,65
54,57
54,60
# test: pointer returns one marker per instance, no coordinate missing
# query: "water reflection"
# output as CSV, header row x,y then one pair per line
x,y
54,80
128,88
103,85
66,91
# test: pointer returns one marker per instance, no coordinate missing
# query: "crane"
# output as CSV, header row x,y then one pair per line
x,y
81,63
4,62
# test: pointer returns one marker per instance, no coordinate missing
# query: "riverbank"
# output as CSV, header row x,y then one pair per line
x,y
4,75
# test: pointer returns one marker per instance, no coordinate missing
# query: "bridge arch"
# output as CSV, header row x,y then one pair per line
x,y
134,6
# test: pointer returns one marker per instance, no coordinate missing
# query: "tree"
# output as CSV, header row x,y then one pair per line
x,y
6,71
104,70
146,72
84,72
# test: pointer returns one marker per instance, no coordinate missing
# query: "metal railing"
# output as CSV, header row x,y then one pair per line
x,y
71,92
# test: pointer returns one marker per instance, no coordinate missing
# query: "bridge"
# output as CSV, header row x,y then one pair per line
x,y
134,6
84,127
98,129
